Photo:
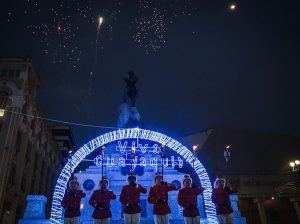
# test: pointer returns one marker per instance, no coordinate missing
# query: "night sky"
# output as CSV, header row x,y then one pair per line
x,y
199,63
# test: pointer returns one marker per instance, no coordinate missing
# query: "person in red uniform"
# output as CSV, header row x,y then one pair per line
x,y
187,198
71,202
158,196
130,199
221,198
100,201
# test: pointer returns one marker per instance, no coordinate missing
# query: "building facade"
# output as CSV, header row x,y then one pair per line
x,y
30,159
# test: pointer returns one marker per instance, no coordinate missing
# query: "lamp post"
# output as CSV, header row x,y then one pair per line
x,y
293,184
295,165
162,155
194,153
227,156
132,153
102,157
70,153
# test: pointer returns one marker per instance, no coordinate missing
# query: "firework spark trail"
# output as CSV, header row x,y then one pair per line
x,y
96,46
90,78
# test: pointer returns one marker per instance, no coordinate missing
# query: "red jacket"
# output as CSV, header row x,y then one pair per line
x,y
71,203
130,198
101,203
220,197
187,198
158,196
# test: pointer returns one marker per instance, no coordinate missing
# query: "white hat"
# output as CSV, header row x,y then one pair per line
x,y
187,177
217,180
73,181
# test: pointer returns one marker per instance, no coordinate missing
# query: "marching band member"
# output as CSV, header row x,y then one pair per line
x,y
221,198
130,199
187,198
71,203
158,196
100,201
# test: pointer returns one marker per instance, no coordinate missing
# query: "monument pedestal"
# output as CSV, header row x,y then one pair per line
x,y
238,219
35,210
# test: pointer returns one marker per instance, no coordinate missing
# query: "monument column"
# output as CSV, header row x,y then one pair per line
x,y
296,201
261,211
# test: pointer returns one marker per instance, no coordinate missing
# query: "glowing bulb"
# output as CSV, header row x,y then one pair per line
x,y
195,147
292,164
100,20
81,206
297,162
133,149
232,7
58,28
2,112
273,198
228,147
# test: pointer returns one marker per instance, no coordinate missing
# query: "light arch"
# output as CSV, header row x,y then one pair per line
x,y
130,133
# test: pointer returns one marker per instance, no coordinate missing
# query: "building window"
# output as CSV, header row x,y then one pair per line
x,y
27,155
11,72
32,126
23,183
12,174
18,143
36,161
18,71
4,72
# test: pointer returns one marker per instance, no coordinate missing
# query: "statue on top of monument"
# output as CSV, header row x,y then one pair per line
x,y
128,113
131,81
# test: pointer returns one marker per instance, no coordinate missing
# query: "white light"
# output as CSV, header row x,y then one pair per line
x,y
2,112
133,150
81,206
232,7
124,134
297,162
195,147
292,164
100,20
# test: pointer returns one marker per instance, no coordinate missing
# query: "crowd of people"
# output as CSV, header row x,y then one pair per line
x,y
158,196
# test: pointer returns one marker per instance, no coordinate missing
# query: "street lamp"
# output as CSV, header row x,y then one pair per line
x,y
295,165
232,7
102,157
162,156
194,153
133,149
227,156
2,111
294,184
